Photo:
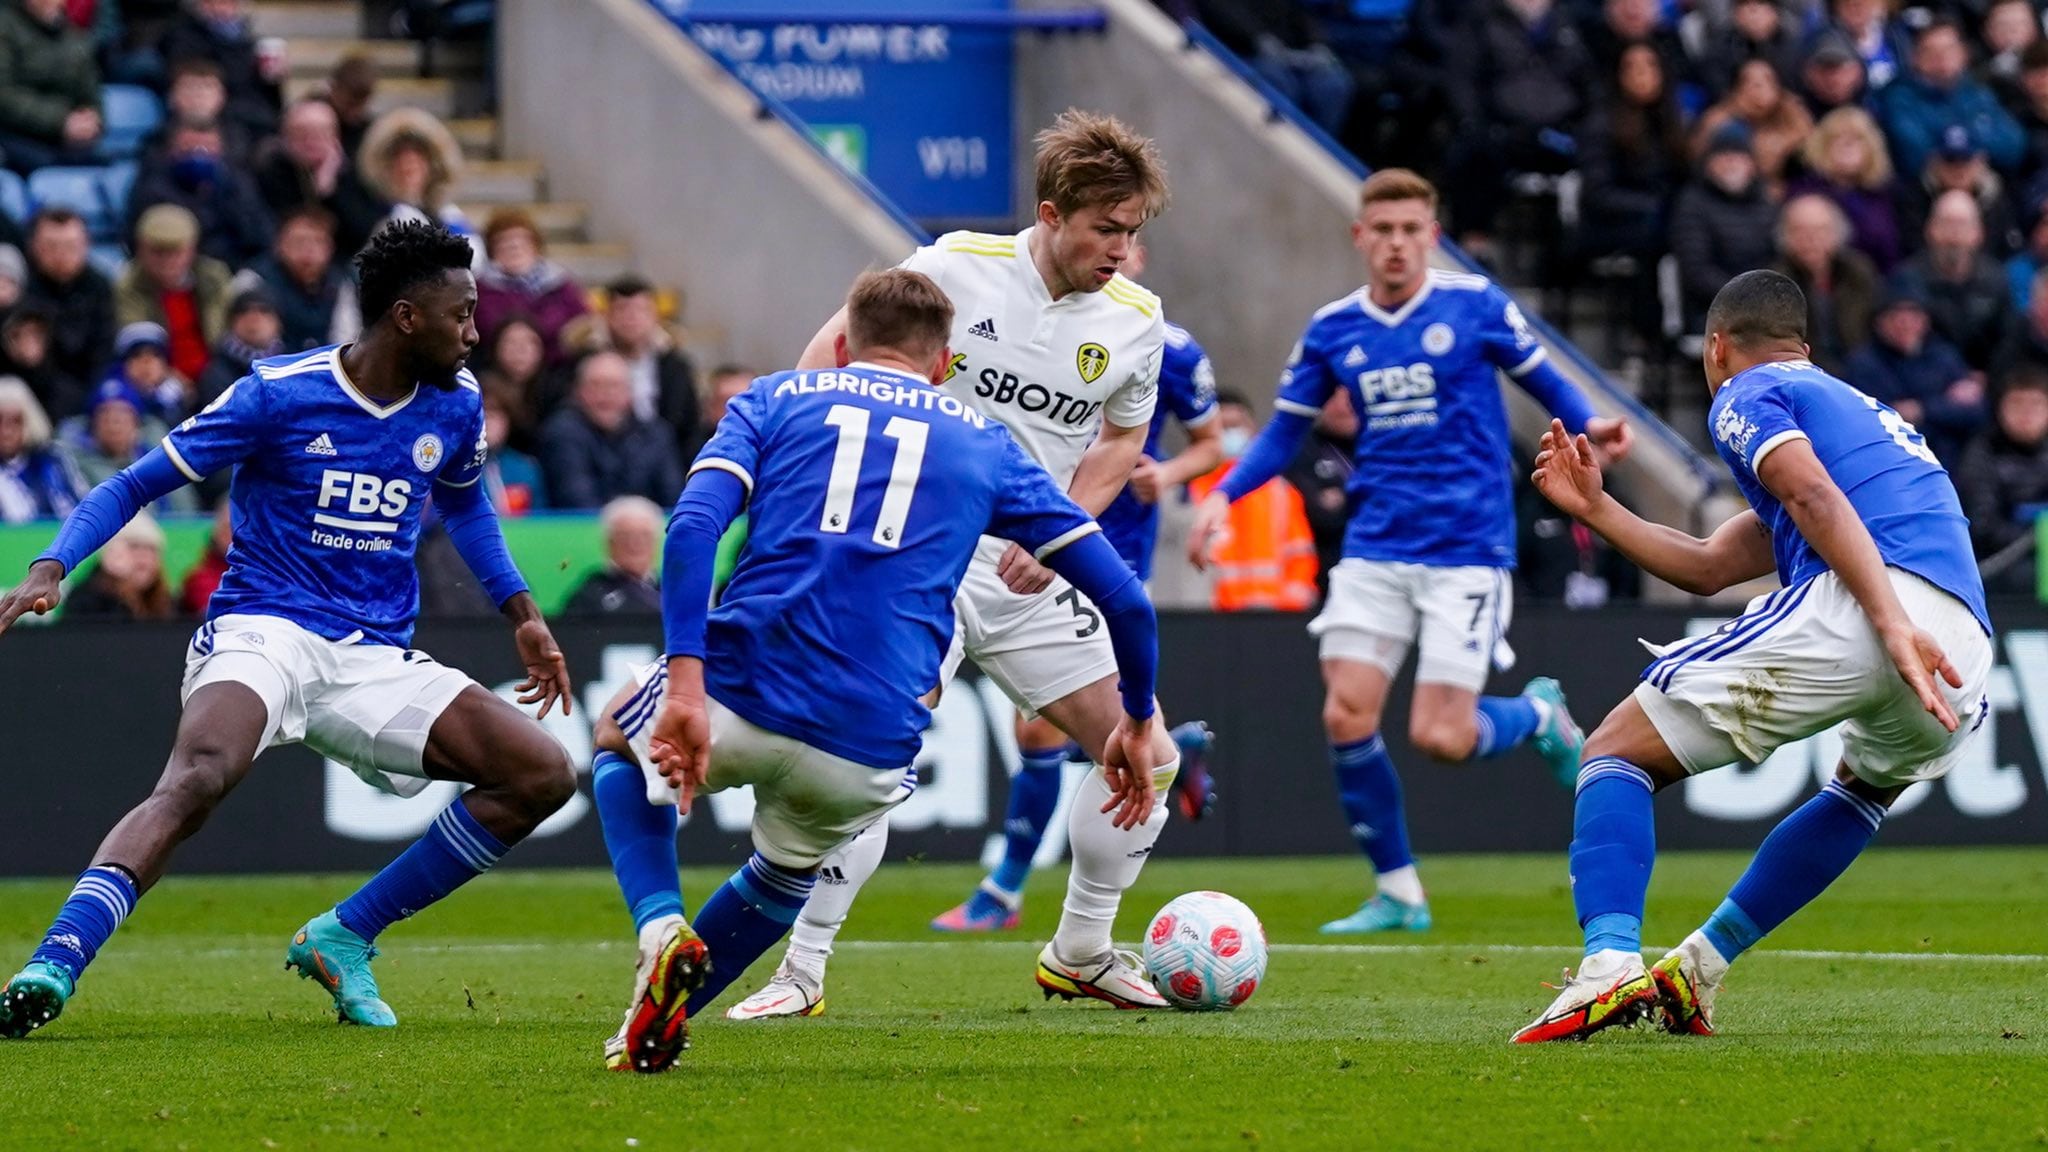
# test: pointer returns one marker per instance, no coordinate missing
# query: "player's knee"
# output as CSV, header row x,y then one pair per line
x,y
546,783
193,786
1442,739
1348,720
607,736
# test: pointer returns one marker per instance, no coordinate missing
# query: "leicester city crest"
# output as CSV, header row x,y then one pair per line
x,y
1093,361
427,452
1437,339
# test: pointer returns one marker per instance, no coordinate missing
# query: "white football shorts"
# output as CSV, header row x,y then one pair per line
x,y
1375,609
806,802
369,706
1803,659
1039,648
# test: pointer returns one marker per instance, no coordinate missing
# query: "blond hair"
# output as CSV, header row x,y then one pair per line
x,y
900,310
1088,160
1389,185
35,423
1850,120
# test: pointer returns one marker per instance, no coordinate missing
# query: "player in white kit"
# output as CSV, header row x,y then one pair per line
x,y
1052,340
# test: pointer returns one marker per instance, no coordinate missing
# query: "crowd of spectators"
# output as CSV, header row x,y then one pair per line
x,y
1889,155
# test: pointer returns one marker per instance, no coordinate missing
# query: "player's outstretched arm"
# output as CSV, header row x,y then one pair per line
x,y
1792,473
1611,437
103,512
822,351
1568,475
1269,453
681,743
1090,564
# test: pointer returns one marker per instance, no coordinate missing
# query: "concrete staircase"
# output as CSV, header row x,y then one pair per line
x,y
322,32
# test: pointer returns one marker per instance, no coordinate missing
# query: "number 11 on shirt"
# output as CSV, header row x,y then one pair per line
x,y
853,442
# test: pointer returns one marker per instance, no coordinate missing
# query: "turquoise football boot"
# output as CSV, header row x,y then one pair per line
x,y
1558,740
35,996
1382,913
326,952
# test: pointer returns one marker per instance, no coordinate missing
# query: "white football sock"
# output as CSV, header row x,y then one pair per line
x,y
1107,860
1403,884
840,877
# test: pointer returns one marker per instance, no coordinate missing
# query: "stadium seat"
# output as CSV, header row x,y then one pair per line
x,y
131,113
108,258
118,180
84,191
14,196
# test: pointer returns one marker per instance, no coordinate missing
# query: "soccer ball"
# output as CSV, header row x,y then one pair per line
x,y
1206,952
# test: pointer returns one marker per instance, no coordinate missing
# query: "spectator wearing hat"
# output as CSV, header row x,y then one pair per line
x,y
314,296
1755,30
521,280
664,382
1879,41
1840,283
307,167
142,364
1721,222
218,30
37,481
1959,165
1938,92
1831,76
169,283
1777,120
1963,286
25,353
2003,477
118,431
1846,161
80,300
594,449
49,88
192,171
1906,365
254,333
2008,29
410,159
627,583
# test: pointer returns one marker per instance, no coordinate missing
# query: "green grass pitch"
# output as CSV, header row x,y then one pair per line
x,y
1908,1009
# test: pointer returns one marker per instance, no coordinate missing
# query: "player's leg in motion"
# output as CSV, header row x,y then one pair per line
x,y
1081,959
218,737
1798,860
798,986
1369,789
518,776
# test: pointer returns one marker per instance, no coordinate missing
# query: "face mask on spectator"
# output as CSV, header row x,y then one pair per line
x,y
195,169
1235,441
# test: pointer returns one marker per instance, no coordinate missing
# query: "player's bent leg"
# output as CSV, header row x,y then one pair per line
x,y
798,986
1081,959
1612,852
997,902
220,733
1358,667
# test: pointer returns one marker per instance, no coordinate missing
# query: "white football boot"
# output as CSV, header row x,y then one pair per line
x,y
1119,979
790,993
1612,988
1688,978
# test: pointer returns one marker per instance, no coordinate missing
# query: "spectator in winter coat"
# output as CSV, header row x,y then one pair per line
x,y
169,283
218,30
664,382
49,88
192,171
80,300
25,352
197,96
595,450
1881,43
1778,122
1721,224
2009,28
1846,161
118,433
306,167
1520,80
410,159
1840,283
254,333
1959,163
315,299
1757,30
1831,76
2003,480
1921,375
37,482
1624,24
627,583
520,279
1938,92
1963,286
1633,159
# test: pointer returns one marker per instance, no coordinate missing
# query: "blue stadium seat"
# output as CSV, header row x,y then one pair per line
x,y
118,180
84,191
14,196
131,113
108,258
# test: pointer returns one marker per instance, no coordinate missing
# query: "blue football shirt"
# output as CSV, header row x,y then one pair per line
x,y
1187,393
328,490
1433,482
1879,461
869,491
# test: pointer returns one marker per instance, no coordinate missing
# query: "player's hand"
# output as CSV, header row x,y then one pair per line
x,y
1210,517
547,673
36,593
681,744
1127,766
1145,483
1611,439
1568,472
1919,659
1021,574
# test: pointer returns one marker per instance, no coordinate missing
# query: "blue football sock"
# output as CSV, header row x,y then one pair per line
x,y
455,850
1034,793
640,837
1371,795
1798,860
1614,845
744,918
102,898
1505,722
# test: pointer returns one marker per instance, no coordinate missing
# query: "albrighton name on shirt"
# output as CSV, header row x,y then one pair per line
x,y
921,397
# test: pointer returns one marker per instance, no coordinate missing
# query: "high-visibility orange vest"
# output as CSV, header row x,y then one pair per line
x,y
1266,558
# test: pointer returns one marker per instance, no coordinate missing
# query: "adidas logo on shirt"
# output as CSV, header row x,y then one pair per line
x,y
321,446
1355,358
986,329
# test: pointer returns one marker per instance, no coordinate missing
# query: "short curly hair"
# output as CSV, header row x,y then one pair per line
x,y
401,257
